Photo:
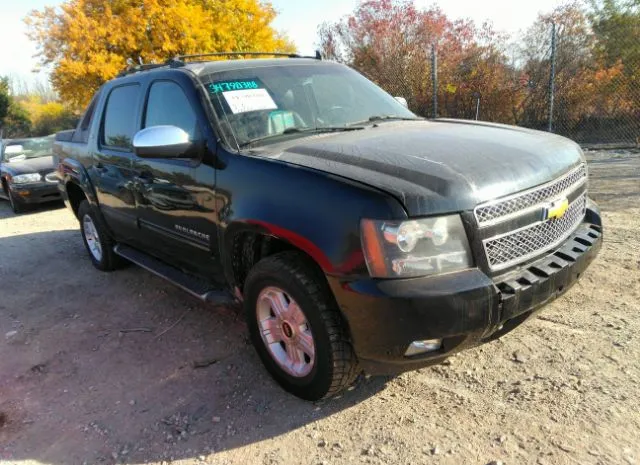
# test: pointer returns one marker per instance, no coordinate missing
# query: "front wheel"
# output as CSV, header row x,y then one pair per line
x,y
97,240
16,203
297,328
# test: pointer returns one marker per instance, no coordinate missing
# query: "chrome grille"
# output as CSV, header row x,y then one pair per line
x,y
516,246
51,177
502,209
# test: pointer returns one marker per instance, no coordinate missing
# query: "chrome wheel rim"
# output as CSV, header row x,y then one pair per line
x,y
285,331
91,237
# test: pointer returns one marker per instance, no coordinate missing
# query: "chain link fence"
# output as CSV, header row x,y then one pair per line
x,y
553,80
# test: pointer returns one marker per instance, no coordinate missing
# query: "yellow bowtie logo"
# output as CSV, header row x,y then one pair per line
x,y
556,209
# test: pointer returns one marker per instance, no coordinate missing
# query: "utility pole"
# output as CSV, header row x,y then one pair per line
x,y
552,76
434,78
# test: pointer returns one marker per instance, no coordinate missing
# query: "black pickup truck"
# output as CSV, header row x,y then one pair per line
x,y
358,236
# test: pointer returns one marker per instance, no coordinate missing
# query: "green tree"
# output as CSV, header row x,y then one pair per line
x,y
5,100
17,122
14,118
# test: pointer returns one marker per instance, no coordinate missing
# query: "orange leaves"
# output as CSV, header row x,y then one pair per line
x,y
89,41
597,65
608,75
390,41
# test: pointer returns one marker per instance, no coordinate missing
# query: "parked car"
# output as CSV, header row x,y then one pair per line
x,y
27,172
357,235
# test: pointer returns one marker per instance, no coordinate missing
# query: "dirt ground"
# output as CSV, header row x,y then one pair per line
x,y
104,368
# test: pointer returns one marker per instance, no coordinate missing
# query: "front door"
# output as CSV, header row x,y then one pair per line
x,y
174,209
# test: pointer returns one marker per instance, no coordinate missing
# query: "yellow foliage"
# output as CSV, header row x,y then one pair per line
x,y
38,109
46,117
89,41
451,88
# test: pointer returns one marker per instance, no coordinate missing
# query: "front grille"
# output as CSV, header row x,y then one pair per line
x,y
505,208
517,246
51,177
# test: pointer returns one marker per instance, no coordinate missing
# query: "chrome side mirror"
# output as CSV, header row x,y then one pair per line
x,y
402,101
161,142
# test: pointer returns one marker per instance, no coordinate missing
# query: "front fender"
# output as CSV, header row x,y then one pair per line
x,y
316,212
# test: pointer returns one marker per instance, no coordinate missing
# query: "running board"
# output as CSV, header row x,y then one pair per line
x,y
194,286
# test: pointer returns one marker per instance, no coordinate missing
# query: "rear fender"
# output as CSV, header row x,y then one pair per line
x,y
70,170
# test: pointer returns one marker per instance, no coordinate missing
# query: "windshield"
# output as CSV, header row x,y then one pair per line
x,y
267,104
21,149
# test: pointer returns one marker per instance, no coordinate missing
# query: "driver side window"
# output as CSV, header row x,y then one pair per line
x,y
168,105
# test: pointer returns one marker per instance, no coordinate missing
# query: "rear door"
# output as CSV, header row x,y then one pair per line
x,y
112,169
173,202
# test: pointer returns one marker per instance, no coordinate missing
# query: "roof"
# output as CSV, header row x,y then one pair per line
x,y
208,67
204,67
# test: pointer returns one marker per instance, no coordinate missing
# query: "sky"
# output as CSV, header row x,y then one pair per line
x,y
299,19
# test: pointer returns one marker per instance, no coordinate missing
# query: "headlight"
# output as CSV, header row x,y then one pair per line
x,y
25,178
415,247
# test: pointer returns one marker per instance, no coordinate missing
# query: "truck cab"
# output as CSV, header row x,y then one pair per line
x,y
356,235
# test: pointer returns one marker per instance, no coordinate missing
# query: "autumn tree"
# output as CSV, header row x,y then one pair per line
x,y
574,76
594,93
616,24
32,109
47,117
87,42
616,27
390,41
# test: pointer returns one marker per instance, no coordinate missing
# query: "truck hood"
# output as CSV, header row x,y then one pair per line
x,y
436,166
30,165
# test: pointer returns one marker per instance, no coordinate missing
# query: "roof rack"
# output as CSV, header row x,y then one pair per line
x,y
179,60
137,68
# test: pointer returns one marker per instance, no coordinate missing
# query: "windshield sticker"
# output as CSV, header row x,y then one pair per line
x,y
226,86
242,101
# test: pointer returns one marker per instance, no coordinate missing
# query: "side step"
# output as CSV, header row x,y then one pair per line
x,y
194,286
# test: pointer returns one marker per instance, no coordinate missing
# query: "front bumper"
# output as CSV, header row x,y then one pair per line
x,y
35,193
463,309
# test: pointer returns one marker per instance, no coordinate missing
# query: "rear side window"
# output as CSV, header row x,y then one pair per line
x,y
81,133
120,115
168,105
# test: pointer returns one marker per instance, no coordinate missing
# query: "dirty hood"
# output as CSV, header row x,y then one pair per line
x,y
436,166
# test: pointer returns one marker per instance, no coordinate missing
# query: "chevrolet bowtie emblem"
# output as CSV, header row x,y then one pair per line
x,y
556,209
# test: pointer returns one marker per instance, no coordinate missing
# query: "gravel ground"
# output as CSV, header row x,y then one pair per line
x,y
123,368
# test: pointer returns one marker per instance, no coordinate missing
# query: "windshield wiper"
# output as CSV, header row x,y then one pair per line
x,y
317,130
376,118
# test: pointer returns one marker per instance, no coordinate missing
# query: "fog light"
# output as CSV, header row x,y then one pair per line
x,y
24,193
421,347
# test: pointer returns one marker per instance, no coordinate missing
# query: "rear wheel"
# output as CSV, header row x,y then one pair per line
x,y
97,240
297,328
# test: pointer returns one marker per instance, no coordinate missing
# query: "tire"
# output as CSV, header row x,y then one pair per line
x,y
16,204
97,240
311,311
